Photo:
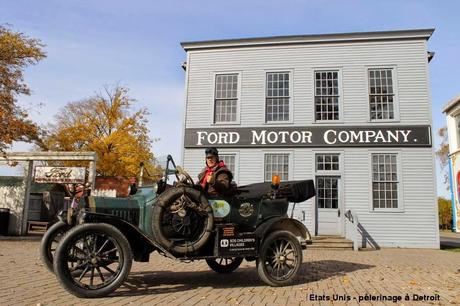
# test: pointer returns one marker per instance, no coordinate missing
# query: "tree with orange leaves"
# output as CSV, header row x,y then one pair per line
x,y
17,51
107,124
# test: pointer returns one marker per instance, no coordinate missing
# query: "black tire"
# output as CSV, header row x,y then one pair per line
x,y
95,248
50,241
280,252
166,225
224,265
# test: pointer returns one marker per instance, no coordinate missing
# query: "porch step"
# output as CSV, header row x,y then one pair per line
x,y
331,243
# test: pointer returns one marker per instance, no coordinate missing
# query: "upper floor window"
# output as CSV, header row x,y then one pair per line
x,y
226,98
326,95
229,160
277,97
381,94
384,181
276,164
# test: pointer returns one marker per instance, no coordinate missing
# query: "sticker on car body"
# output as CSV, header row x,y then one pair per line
x,y
220,208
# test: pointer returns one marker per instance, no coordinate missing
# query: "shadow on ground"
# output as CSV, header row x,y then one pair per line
x,y
160,282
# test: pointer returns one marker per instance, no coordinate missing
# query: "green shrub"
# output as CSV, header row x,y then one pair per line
x,y
445,213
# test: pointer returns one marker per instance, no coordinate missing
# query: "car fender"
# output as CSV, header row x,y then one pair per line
x,y
287,224
141,244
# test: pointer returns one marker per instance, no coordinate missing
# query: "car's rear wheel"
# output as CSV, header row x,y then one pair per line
x,y
93,260
50,241
280,259
224,265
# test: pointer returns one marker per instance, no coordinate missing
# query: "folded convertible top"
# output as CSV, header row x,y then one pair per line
x,y
294,191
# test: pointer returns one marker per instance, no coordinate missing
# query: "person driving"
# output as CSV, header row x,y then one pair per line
x,y
215,178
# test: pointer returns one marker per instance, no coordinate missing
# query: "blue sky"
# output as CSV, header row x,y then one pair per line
x,y
136,43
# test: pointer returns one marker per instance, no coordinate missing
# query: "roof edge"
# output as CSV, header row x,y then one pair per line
x,y
451,104
313,38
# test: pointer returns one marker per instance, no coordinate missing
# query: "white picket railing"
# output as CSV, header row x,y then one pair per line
x,y
110,193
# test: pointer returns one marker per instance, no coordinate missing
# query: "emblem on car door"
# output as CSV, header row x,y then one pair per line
x,y
246,209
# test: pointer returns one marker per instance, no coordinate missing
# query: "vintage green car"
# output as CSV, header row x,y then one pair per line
x,y
94,256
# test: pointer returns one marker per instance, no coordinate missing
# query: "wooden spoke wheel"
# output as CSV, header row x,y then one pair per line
x,y
280,258
93,260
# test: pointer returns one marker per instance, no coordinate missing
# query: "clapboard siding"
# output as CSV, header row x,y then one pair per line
x,y
407,57
415,225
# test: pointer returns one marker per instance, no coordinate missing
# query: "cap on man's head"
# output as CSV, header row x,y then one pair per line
x,y
211,151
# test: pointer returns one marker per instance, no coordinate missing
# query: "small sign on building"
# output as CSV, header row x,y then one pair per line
x,y
64,175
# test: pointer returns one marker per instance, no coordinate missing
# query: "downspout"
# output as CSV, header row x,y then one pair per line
x,y
452,197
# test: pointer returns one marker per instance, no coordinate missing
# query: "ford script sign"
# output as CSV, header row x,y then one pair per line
x,y
318,136
64,175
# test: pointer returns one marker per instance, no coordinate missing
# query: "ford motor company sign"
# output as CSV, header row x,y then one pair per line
x,y
317,136
64,175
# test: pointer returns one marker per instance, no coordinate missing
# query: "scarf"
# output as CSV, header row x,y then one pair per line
x,y
210,171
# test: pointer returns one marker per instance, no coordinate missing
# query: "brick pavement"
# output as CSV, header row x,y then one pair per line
x,y
24,281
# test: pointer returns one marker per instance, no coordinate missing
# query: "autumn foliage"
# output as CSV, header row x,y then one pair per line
x,y
17,52
106,124
444,213
442,154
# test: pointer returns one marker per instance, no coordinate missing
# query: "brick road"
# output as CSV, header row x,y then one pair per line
x,y
24,281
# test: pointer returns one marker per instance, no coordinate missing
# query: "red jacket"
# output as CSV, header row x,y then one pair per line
x,y
220,179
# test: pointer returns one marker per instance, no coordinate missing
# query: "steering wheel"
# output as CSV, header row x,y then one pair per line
x,y
188,178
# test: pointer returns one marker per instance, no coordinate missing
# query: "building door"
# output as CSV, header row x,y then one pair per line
x,y
328,204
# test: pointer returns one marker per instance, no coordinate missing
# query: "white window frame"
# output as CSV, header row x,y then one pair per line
x,y
291,96
290,153
400,208
329,172
394,69
332,173
238,97
340,100
237,163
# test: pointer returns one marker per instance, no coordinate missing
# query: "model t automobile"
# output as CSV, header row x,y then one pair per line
x,y
94,256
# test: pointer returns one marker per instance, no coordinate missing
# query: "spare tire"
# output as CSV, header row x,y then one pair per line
x,y
182,220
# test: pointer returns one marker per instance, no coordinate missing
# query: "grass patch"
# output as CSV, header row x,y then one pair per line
x,y
450,248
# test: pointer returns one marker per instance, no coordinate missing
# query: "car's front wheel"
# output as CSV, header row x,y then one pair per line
x,y
93,260
50,241
280,259
224,265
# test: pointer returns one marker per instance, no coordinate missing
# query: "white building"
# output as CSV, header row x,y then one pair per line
x,y
351,111
452,111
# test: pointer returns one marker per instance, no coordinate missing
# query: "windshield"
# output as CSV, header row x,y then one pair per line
x,y
167,162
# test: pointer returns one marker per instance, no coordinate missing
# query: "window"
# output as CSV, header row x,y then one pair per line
x,y
277,97
327,162
327,95
276,164
229,160
381,94
226,98
384,181
327,192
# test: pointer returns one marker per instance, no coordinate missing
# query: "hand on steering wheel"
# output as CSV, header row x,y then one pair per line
x,y
188,178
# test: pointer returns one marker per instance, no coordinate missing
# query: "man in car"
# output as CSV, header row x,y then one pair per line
x,y
215,178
